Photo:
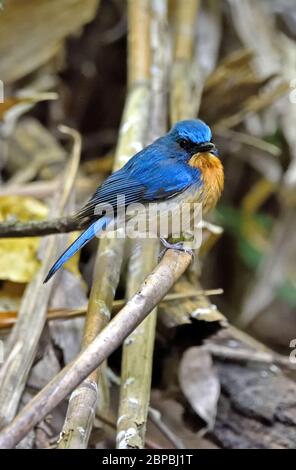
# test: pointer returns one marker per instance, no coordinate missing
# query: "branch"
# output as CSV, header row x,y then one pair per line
x,y
153,289
9,318
245,355
39,228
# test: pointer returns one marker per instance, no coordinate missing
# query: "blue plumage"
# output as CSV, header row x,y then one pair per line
x,y
195,131
158,172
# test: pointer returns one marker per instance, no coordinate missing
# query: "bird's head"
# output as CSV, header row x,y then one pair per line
x,y
194,136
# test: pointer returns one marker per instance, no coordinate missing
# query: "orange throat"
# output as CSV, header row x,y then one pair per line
x,y
212,172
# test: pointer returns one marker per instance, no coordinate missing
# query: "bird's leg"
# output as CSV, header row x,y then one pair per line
x,y
174,246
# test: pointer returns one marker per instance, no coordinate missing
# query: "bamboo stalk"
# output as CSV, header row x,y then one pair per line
x,y
137,355
153,289
33,309
184,89
153,414
138,41
84,399
187,80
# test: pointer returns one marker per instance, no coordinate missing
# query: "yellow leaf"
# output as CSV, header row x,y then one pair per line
x,y
18,256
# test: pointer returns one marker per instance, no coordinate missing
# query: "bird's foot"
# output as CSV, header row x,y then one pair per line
x,y
174,246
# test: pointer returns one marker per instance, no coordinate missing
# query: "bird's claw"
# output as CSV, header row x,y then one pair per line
x,y
174,246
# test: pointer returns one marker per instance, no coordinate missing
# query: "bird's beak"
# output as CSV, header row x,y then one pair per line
x,y
207,147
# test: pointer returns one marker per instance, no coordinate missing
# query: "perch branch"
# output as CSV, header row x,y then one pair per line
x,y
151,292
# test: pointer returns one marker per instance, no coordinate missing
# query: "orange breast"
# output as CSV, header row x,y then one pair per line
x,y
213,178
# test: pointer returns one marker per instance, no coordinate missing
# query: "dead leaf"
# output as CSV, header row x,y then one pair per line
x,y
200,384
19,260
18,256
35,30
183,311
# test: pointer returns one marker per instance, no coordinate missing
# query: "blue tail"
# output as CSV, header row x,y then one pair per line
x,y
83,239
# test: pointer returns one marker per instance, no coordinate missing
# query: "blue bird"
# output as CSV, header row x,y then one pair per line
x,y
181,166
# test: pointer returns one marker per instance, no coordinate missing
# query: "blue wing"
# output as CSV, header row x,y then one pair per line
x,y
151,175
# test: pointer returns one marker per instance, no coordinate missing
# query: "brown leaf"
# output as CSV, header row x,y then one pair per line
x,y
199,383
34,30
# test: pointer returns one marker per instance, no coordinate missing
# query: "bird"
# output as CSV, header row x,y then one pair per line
x,y
181,166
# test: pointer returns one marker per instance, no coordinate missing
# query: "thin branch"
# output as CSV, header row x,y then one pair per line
x,y
153,289
39,228
9,318
156,418
245,355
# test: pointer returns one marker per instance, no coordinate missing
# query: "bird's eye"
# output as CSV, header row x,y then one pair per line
x,y
183,143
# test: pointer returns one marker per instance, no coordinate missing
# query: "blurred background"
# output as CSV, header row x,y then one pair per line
x,y
233,64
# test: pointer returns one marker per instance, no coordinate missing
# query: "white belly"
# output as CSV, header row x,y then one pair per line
x,y
174,217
